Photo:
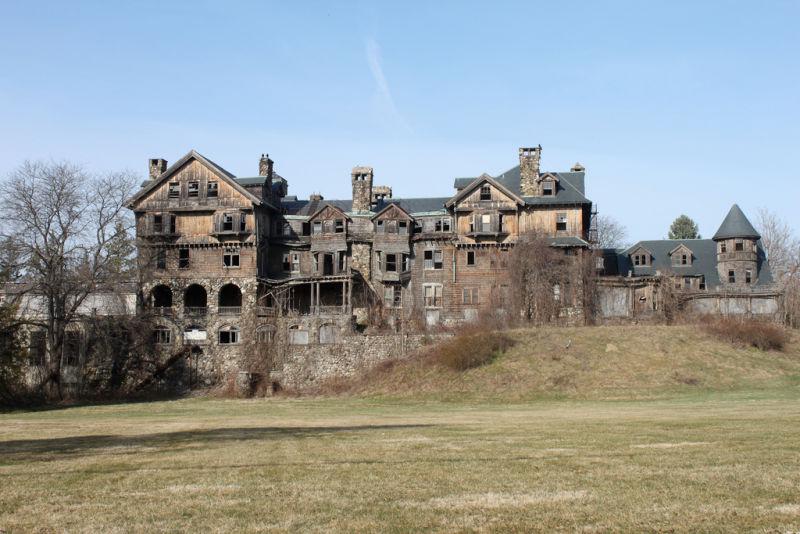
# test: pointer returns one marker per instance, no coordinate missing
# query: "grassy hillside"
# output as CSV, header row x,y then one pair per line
x,y
622,362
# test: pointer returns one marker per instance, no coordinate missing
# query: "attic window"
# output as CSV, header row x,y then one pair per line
x,y
339,226
174,190
402,227
547,188
379,227
486,192
640,259
317,228
194,189
213,190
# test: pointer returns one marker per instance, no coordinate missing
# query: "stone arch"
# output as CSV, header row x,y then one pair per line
x,y
230,296
195,296
161,296
265,334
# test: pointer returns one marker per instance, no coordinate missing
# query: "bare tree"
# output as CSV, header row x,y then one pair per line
x,y
62,222
610,232
783,252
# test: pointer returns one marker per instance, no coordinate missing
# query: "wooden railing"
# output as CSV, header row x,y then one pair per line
x,y
229,310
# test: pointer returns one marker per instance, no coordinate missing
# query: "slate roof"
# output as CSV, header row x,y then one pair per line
x,y
256,180
704,260
294,206
736,224
571,188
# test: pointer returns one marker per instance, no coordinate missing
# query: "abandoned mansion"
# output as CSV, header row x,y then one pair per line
x,y
233,258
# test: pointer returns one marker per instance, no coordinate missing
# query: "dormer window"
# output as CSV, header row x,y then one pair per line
x,y
486,192
641,259
402,227
547,188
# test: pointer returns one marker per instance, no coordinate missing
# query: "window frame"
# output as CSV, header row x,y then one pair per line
x,y
231,258
233,335
184,258
212,189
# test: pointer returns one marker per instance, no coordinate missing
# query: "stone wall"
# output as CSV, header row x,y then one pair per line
x,y
308,365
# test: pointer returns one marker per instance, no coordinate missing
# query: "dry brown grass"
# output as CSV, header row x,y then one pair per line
x,y
469,349
614,362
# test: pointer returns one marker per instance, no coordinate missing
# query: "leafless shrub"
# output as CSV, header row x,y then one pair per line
x,y
470,348
749,332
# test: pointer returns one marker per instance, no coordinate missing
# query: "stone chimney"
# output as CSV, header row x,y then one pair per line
x,y
361,178
157,167
265,166
315,197
381,193
529,170
578,168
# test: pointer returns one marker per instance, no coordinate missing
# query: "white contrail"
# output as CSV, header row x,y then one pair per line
x,y
374,60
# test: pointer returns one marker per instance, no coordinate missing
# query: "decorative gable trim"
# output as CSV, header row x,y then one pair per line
x,y
479,181
175,167
390,207
331,207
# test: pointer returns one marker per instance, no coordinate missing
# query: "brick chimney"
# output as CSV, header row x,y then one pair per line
x,y
265,166
157,167
361,177
529,170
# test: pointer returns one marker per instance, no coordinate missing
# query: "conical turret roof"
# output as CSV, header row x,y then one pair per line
x,y
736,225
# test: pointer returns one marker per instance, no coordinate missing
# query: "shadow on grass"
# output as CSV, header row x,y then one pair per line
x,y
44,449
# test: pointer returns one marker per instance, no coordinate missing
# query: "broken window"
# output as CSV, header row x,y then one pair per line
x,y
556,292
392,296
442,225
341,262
469,295
433,295
242,222
158,224
231,257
702,284
739,245
227,222
295,263
561,222
486,223
433,259
391,263
37,348
317,227
486,192
162,336
212,190
161,259
402,227
229,335
286,230
748,276
339,226
265,334
547,188
174,190
287,264
406,262
297,336
500,222
731,277
71,348
327,227
417,227
183,258
470,257
327,334
306,229
380,227
687,283
723,247
194,189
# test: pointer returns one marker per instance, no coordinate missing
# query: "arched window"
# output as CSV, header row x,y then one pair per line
x,y
195,296
297,336
230,300
161,296
229,335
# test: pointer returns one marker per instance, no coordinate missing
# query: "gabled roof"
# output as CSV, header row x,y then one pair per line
x,y
571,188
331,206
736,225
303,208
478,181
680,246
636,248
150,185
390,206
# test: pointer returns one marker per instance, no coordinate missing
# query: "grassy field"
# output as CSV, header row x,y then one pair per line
x,y
718,454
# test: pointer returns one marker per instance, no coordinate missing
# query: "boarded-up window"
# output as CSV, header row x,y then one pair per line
x,y
327,334
433,295
298,336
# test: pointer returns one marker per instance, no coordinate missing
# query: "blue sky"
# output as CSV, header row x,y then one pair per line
x,y
673,107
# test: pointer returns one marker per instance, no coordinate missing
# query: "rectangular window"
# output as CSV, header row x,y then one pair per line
x,y
194,189
339,226
242,222
342,256
428,259
486,192
212,190
486,223
723,247
228,337
71,348
636,260
327,227
227,222
561,222
547,188
406,263
739,245
687,283
183,258
161,259
442,225
500,222
392,296
379,227
158,224
162,336
748,276
470,257
391,263
402,227
37,347
469,295
286,231
418,227
231,257
684,259
306,230
287,263
174,190
433,296
317,227
702,284
295,263
731,277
